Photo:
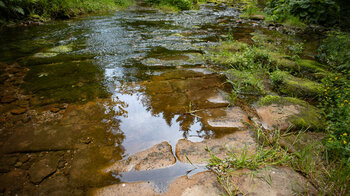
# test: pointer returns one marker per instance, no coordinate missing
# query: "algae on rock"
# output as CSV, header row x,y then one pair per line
x,y
289,85
282,112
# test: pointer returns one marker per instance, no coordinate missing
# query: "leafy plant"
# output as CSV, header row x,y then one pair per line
x,y
180,4
312,11
335,50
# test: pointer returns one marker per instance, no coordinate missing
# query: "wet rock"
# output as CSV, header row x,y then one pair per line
x,y
156,157
8,98
183,90
24,158
233,117
55,185
86,164
283,112
126,189
12,181
18,111
201,184
44,167
189,59
272,181
257,17
219,99
45,55
60,49
6,162
55,109
204,183
196,151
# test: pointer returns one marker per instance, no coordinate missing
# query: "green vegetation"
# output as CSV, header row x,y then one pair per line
x,y
335,98
287,84
274,60
311,11
12,10
172,4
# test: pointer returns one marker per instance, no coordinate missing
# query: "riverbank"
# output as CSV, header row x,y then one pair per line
x,y
137,102
25,12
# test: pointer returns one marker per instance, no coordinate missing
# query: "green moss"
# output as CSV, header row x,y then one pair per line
x,y
60,49
293,86
50,58
274,99
308,116
311,66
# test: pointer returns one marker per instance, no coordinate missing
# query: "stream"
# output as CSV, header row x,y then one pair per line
x,y
91,91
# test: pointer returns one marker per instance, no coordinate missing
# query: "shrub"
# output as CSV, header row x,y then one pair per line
x,y
335,51
180,4
311,11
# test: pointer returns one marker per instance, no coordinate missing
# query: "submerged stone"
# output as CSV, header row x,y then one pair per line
x,y
187,59
156,157
196,152
60,49
52,52
18,111
44,167
284,112
293,86
221,119
45,55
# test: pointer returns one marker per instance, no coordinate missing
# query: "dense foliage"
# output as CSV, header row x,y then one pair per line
x,y
22,9
335,51
311,11
179,4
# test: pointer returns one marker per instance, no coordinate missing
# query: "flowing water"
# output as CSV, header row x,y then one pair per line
x,y
119,84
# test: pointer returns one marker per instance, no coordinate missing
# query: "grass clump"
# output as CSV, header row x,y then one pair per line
x,y
245,81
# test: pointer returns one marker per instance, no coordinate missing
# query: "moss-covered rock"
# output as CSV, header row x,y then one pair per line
x,y
283,112
287,84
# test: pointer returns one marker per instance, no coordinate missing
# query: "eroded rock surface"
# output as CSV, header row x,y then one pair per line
x,y
283,112
224,118
196,153
158,156
272,181
201,184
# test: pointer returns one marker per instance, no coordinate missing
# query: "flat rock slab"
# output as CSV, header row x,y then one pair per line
x,y
196,151
272,182
201,184
180,92
224,118
156,157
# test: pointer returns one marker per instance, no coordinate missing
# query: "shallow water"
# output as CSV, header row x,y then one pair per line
x,y
130,78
